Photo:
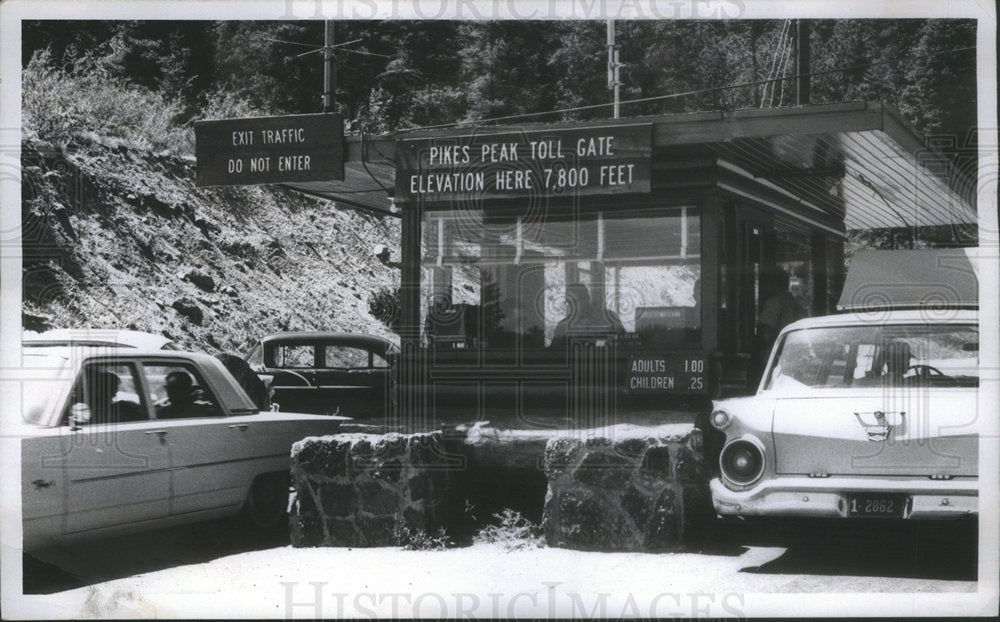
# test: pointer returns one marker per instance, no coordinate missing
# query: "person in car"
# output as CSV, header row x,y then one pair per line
x,y
890,364
100,390
183,398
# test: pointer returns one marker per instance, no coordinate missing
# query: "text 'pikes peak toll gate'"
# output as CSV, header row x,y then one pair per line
x,y
586,272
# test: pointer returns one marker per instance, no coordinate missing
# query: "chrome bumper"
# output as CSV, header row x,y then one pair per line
x,y
811,497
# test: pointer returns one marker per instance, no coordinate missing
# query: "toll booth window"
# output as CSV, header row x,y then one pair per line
x,y
522,281
793,254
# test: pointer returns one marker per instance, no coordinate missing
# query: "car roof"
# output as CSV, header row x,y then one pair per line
x,y
882,317
911,279
370,341
106,337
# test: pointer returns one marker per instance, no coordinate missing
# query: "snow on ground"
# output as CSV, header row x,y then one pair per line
x,y
481,581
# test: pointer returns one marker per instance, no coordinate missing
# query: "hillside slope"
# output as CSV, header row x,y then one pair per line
x,y
115,237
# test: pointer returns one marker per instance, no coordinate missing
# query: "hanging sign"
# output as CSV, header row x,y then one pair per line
x,y
557,162
270,150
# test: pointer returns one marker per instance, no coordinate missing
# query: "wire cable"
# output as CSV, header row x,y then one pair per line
x,y
528,115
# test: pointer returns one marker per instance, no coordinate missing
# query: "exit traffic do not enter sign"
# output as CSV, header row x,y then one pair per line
x,y
269,150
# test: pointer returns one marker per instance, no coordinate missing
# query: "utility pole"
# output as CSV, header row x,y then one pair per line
x,y
801,62
329,70
613,67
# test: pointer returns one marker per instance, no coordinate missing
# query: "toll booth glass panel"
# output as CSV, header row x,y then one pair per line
x,y
793,254
511,281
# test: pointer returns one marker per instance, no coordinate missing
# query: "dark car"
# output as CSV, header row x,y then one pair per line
x,y
325,373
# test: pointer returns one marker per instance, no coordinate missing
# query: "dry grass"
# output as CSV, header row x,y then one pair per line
x,y
60,105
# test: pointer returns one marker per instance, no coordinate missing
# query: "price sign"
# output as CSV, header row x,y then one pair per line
x,y
678,373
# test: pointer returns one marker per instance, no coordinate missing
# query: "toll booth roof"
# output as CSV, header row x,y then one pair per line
x,y
858,161
911,279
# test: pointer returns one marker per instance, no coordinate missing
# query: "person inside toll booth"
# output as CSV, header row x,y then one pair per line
x,y
778,310
584,319
183,399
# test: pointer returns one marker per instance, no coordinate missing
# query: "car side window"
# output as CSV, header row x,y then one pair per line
x,y
378,362
178,391
256,357
296,356
300,356
110,392
345,357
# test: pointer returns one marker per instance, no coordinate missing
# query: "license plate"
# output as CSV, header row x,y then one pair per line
x,y
885,505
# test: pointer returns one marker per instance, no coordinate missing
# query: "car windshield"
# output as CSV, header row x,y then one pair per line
x,y
867,356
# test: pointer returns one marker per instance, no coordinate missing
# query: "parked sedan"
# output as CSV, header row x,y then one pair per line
x,y
135,440
858,417
325,373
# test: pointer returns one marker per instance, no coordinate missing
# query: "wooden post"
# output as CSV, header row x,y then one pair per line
x,y
329,70
802,62
613,65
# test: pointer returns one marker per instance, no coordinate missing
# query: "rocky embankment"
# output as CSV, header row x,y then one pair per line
x,y
119,238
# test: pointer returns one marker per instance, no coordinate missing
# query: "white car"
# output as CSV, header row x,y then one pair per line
x,y
97,338
136,440
858,415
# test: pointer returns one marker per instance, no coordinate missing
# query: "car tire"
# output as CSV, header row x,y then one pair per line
x,y
266,505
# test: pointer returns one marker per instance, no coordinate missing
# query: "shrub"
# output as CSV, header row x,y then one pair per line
x,y
59,105
512,532
383,305
420,540
224,103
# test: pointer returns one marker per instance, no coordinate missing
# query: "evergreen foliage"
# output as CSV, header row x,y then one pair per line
x,y
395,75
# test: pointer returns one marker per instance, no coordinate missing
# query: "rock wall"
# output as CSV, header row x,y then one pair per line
x,y
364,489
623,488
635,489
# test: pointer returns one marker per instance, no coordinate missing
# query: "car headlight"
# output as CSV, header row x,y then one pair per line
x,y
742,462
720,419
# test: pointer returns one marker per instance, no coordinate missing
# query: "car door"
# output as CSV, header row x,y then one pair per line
x,y
294,382
117,465
208,455
348,382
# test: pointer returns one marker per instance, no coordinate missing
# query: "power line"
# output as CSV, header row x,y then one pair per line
x,y
713,89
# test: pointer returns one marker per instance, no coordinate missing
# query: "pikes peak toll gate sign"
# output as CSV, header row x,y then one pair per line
x,y
269,150
565,162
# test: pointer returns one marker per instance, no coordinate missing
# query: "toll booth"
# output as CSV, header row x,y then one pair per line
x,y
583,273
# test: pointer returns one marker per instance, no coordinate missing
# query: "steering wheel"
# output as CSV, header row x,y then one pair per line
x,y
284,374
924,371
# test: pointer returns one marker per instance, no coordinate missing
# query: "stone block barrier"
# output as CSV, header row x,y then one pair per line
x,y
620,488
367,489
629,489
